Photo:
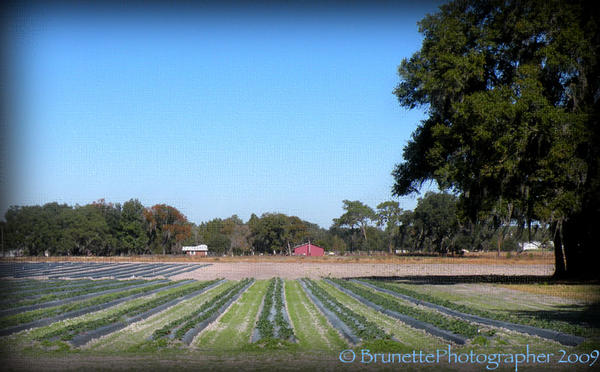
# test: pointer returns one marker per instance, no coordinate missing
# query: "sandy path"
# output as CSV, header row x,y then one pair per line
x,y
266,270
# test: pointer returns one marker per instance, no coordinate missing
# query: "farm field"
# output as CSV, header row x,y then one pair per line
x,y
292,324
269,267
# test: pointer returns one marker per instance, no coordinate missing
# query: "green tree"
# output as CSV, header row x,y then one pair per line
x,y
37,230
388,216
436,213
294,231
213,234
357,216
112,215
511,91
238,234
132,235
87,232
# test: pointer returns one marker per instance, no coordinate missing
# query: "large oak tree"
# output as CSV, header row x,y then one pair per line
x,y
511,90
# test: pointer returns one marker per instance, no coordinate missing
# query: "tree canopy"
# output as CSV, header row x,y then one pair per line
x,y
511,90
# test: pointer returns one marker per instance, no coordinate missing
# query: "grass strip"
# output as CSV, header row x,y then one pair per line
x,y
313,332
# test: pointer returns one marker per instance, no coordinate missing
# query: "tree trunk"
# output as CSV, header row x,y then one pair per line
x,y
559,257
576,247
364,230
499,242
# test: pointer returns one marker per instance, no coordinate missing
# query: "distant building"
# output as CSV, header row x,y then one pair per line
x,y
13,253
308,249
196,250
530,246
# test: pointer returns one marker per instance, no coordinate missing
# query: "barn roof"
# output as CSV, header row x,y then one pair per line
x,y
303,244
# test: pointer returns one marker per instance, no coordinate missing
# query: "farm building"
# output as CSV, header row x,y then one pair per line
x,y
308,249
529,246
197,250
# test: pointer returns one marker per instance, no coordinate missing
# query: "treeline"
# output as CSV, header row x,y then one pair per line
x,y
107,229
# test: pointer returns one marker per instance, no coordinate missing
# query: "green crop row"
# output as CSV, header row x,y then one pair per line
x,y
79,291
362,327
264,325
33,315
164,331
285,331
531,320
67,333
35,285
189,324
457,326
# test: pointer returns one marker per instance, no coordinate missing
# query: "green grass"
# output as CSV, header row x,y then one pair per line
x,y
234,329
583,292
310,326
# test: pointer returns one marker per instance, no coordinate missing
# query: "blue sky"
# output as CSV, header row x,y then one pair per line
x,y
215,112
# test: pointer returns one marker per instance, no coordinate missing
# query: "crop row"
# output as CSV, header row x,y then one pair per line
x,y
505,317
181,331
13,286
59,295
68,332
264,325
198,315
362,327
33,315
284,331
272,322
61,286
450,324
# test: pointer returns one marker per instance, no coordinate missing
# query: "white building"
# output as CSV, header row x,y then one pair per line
x,y
196,250
530,246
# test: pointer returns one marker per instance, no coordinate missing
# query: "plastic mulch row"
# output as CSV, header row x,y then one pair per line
x,y
71,314
333,319
563,338
429,328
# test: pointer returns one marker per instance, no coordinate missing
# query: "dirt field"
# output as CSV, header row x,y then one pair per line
x,y
292,270
479,258
264,267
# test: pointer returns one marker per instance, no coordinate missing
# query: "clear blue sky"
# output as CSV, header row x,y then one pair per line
x,y
216,112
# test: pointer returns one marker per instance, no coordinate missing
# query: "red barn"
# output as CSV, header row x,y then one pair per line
x,y
308,249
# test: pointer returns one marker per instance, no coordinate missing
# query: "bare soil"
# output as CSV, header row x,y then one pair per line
x,y
293,270
478,258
